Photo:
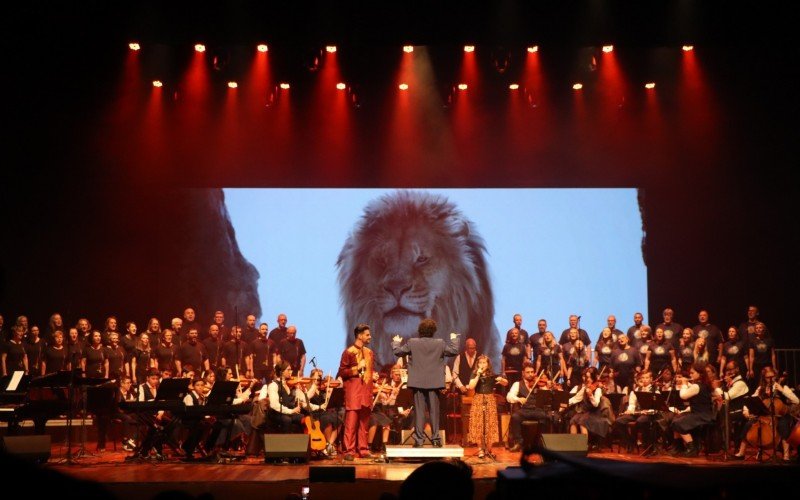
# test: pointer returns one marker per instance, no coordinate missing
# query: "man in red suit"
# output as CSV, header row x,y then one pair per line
x,y
357,371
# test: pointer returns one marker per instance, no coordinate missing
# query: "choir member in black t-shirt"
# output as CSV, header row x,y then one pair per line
x,y
611,323
56,323
75,346
94,362
128,341
523,333
279,332
626,362
513,355
110,326
250,332
142,360
116,357
190,321
660,354
761,355
55,355
263,351
165,352
34,347
634,332
574,323
192,353
747,330
219,322
684,350
735,350
14,357
236,355
550,357
154,330
671,328
178,335
712,334
576,357
535,340
293,351
603,348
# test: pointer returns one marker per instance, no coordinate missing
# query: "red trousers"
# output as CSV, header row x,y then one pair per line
x,y
356,421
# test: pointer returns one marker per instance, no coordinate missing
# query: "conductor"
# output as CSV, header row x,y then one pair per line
x,y
426,374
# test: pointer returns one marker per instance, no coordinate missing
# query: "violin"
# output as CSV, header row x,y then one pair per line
x,y
294,381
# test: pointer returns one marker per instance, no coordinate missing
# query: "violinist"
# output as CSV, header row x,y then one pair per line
x,y
386,413
196,425
284,401
697,391
734,390
633,413
593,410
330,419
775,396
521,394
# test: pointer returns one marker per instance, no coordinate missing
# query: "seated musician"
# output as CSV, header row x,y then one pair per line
x,y
734,390
284,401
147,392
769,389
633,413
521,394
198,425
330,419
241,425
385,412
129,424
593,411
697,391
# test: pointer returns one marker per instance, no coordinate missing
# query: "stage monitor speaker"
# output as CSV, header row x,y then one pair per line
x,y
576,445
31,448
531,434
332,474
407,436
286,446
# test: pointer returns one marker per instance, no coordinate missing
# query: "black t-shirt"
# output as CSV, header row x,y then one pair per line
x,y
581,335
514,354
672,331
577,359
735,350
660,356
747,331
535,341
55,359
625,361
549,356
129,344
262,350
523,336
192,354
15,356
232,351
634,333
116,361
165,356
249,334
213,351
95,359
603,350
276,335
762,352
685,354
292,352
34,352
713,337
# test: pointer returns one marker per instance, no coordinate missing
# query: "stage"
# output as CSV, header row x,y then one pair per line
x,y
251,476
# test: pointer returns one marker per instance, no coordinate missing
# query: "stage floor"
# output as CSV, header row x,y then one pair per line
x,y
250,475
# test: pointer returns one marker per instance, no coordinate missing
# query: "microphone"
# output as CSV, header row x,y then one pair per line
x,y
313,359
579,317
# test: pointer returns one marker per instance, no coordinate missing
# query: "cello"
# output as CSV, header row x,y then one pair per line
x,y
763,433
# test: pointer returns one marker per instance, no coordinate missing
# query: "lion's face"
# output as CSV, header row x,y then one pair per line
x,y
412,256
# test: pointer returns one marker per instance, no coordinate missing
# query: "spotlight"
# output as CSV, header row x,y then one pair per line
x,y
533,49
408,49
650,85
608,48
331,48
688,48
200,47
134,46
284,86
513,86
262,47
403,86
469,48
157,83
462,86
577,86
232,85
341,86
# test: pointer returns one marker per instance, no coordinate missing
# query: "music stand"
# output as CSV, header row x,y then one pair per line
x,y
651,401
223,393
173,389
616,401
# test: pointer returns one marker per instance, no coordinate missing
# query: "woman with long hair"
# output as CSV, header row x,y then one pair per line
x,y
483,427
697,391
593,415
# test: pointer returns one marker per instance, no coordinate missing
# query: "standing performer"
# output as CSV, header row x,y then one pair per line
x,y
426,374
356,369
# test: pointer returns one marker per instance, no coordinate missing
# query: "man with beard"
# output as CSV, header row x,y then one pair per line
x,y
190,321
236,355
293,351
279,332
357,370
192,352
213,346
634,332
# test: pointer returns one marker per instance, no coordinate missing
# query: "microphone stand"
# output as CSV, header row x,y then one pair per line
x,y
486,452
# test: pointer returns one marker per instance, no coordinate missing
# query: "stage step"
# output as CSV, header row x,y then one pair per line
x,y
408,451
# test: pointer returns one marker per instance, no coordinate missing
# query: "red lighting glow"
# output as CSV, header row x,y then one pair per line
x,y
341,86
513,86
331,48
577,86
232,85
469,48
403,86
134,46
688,48
262,47
462,86
157,83
200,47
650,85
284,86
408,49
608,48
533,49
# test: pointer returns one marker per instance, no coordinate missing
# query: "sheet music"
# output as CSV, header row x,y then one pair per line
x,y
15,380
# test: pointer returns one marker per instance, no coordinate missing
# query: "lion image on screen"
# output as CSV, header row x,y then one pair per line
x,y
410,256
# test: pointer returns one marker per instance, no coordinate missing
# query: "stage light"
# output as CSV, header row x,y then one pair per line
x,y
533,49
408,49
577,86
232,85
687,48
650,85
200,47
262,47
513,86
157,83
341,86
284,86
462,86
608,48
403,86
469,48
134,46
331,48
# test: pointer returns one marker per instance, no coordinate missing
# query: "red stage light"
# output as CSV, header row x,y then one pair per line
x,y
134,46
533,49
469,48
157,83
331,48
341,86
577,86
200,47
284,86
403,86
650,85
687,48
513,86
262,47
462,86
408,49
232,85
608,48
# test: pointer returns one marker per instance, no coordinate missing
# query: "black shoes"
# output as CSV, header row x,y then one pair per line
x,y
417,445
437,443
